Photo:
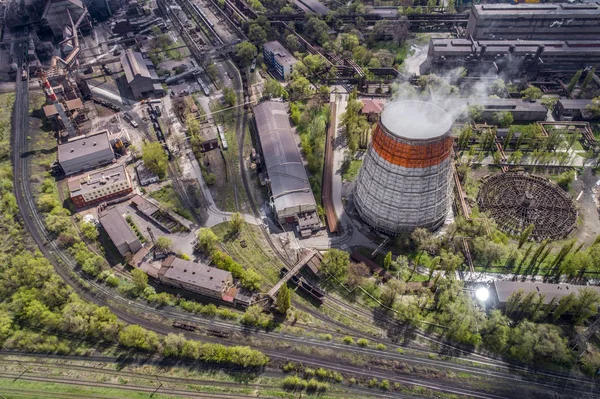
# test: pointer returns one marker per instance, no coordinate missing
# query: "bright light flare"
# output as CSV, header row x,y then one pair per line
x,y
482,294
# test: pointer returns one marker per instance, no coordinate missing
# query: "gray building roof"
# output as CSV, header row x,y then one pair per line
x,y
574,104
117,229
281,54
288,179
503,289
197,274
85,183
83,147
537,11
134,65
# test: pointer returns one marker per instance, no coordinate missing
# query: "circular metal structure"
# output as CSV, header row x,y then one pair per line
x,y
404,182
516,200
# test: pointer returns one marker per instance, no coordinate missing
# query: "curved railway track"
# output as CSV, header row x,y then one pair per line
x,y
97,293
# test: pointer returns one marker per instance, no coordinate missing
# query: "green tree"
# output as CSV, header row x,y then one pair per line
x,y
299,88
88,230
155,158
574,80
549,102
348,41
163,244
503,118
387,261
257,34
173,345
496,331
588,78
207,240
476,112
586,304
565,304
293,43
531,93
139,279
245,52
236,223
212,71
335,263
284,299
594,107
565,179
229,96
525,234
136,337
274,89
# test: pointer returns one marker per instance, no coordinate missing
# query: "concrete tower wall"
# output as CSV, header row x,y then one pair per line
x,y
404,182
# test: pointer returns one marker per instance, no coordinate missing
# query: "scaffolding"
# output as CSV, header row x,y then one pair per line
x,y
516,200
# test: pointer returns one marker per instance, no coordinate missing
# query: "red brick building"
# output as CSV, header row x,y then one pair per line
x,y
99,185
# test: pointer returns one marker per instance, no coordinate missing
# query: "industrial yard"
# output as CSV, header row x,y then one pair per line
x,y
300,199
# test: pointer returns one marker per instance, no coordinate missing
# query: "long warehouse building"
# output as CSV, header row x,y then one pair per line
x,y
534,22
511,57
292,198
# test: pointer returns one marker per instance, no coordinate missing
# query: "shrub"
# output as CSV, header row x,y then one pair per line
x,y
348,340
112,281
363,342
381,347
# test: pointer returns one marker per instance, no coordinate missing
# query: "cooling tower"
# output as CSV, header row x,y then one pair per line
x,y
404,180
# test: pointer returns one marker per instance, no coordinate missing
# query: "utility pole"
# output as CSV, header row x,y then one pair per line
x,y
25,369
157,388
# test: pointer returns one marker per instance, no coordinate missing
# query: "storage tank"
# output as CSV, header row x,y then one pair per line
x,y
404,182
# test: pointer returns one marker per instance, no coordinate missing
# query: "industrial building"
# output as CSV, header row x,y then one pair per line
x,y
197,277
292,198
511,57
140,75
572,110
521,110
56,15
500,291
99,186
404,182
534,21
279,58
119,232
85,152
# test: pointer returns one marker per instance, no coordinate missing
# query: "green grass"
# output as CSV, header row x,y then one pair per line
x,y
351,170
257,254
169,199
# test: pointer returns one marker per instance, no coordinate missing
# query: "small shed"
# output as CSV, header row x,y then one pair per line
x,y
372,109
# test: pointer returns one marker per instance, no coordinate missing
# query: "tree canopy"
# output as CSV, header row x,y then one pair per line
x,y
155,158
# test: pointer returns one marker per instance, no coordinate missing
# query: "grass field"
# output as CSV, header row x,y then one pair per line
x,y
351,171
166,195
257,254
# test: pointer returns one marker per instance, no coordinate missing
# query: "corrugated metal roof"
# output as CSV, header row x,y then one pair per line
x,y
197,274
134,65
289,182
117,228
503,289
84,146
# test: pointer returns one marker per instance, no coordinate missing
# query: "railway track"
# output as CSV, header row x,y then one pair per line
x,y
100,295
160,363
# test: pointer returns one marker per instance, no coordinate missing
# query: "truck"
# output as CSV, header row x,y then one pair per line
x,y
23,75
